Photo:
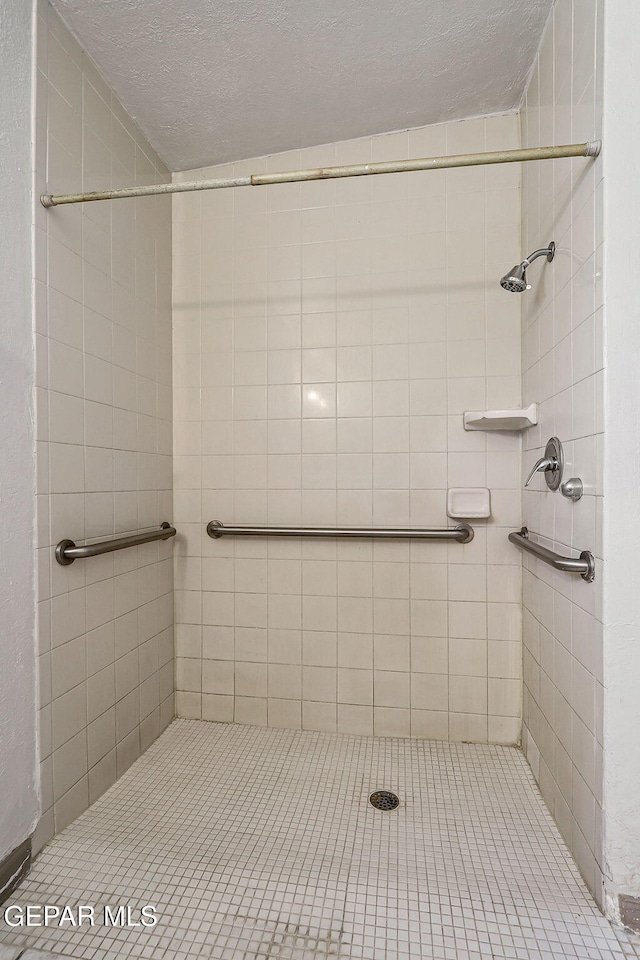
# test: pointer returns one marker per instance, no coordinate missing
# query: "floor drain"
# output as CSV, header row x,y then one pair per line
x,y
384,800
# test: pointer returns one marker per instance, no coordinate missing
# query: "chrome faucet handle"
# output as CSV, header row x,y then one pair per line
x,y
543,464
552,465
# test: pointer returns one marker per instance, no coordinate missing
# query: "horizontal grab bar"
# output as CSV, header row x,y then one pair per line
x,y
463,533
584,565
67,552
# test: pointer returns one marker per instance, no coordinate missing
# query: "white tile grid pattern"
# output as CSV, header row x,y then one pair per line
x,y
327,339
103,331
563,371
262,843
15,953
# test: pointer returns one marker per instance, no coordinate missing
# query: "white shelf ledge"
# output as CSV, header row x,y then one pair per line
x,y
501,419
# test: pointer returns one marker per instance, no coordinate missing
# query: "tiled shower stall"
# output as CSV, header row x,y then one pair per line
x,y
103,409
303,354
337,333
562,370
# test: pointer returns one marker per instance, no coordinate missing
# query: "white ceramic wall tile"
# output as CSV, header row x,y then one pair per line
x,y
562,323
325,349
104,419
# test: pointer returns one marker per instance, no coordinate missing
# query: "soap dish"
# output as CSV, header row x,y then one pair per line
x,y
468,503
520,419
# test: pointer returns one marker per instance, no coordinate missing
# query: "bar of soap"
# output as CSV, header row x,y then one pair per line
x,y
468,503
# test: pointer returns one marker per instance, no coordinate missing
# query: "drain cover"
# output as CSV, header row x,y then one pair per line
x,y
384,800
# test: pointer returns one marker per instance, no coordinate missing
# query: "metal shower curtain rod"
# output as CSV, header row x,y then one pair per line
x,y
589,149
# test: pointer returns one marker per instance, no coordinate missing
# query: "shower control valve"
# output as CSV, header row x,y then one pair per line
x,y
552,464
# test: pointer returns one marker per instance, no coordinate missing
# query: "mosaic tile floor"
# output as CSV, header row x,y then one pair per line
x,y
252,842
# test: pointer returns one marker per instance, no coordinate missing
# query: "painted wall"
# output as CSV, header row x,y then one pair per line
x,y
563,371
103,300
18,769
621,459
327,339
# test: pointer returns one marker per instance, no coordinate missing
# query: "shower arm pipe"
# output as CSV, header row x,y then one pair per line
x,y
543,252
463,533
67,551
589,149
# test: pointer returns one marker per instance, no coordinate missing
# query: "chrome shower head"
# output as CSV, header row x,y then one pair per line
x,y
516,280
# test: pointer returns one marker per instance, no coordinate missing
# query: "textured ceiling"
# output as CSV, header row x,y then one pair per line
x,y
215,80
